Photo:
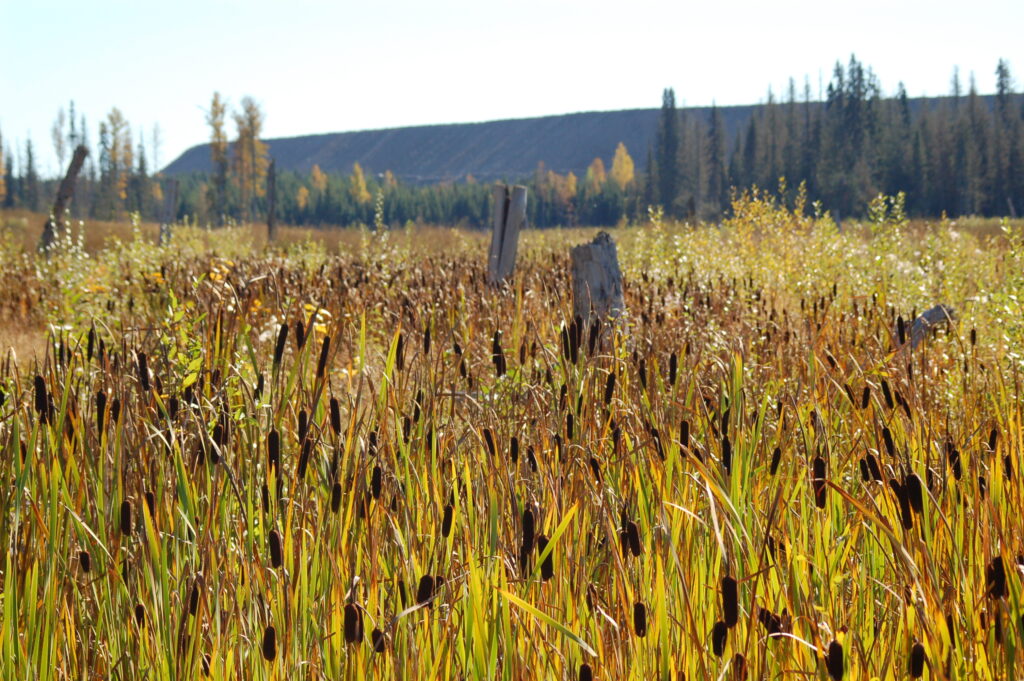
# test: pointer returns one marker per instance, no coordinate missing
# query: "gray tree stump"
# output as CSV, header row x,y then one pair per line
x,y
509,218
64,194
596,280
926,320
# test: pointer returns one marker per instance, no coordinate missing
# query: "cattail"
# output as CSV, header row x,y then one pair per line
x,y
719,634
834,660
193,598
282,338
890,446
684,434
307,448
300,332
528,530
673,366
513,449
425,590
865,474
101,410
90,341
126,517
887,394
643,373
901,330
730,602
489,440
335,497
426,339
42,402
915,492
876,470
269,643
321,364
274,451
377,636
547,568
974,336
498,355
376,481
818,480
274,541
353,624
771,622
640,619
865,397
143,373
916,661
726,453
446,523
140,614
568,425
150,500
84,561
776,458
586,673
904,501
633,538
992,439
995,578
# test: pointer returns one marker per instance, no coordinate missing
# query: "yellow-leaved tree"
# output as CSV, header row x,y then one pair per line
x,y
358,188
623,172
318,179
302,198
251,155
596,176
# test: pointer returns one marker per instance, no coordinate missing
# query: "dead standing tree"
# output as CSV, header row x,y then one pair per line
x,y
509,220
64,194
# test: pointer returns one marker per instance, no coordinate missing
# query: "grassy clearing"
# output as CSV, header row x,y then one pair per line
x,y
254,464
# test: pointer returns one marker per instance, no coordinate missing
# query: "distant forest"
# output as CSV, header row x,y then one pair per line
x,y
959,155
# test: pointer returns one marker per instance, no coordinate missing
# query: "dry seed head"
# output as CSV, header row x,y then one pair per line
x,y
269,646
353,624
719,635
84,561
916,660
274,543
640,619
834,660
377,636
730,602
126,517
586,673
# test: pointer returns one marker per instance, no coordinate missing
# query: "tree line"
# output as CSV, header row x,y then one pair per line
x,y
961,154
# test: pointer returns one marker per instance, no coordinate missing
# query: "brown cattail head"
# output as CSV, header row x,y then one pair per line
x,y
335,416
818,481
282,338
143,369
353,624
140,614
915,492
425,590
335,497
640,619
376,481
42,401
377,638
84,561
274,544
586,673
834,660
719,634
995,578
730,602
325,350
274,452
916,660
269,643
126,517
446,522
547,568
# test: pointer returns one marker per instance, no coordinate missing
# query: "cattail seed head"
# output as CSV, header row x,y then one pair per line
x,y
719,634
425,590
446,522
377,636
269,646
730,602
335,416
126,517
282,338
353,624
916,660
274,544
995,578
547,568
321,365
140,614
84,561
834,660
640,619
586,673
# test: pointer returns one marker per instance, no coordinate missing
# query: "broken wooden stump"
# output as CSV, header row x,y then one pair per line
x,y
509,218
596,280
64,194
926,320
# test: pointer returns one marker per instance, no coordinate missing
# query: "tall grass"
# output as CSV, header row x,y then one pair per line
x,y
361,461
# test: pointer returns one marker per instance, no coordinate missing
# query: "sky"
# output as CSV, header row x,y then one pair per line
x,y
318,66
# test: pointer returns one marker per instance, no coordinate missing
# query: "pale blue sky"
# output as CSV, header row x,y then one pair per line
x,y
318,66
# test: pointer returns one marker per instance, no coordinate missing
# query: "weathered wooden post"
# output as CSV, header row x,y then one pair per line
x,y
596,280
64,194
271,202
509,218
168,211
